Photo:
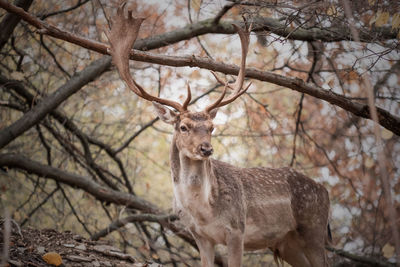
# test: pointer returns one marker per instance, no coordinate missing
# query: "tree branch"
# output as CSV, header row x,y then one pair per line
x,y
260,24
100,192
49,103
10,21
362,259
30,214
58,12
132,218
387,120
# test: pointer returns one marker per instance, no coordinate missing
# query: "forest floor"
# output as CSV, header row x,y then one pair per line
x,y
47,247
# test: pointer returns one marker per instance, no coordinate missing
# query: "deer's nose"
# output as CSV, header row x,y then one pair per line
x,y
205,149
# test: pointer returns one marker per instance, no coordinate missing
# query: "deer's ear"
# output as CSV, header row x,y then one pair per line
x,y
213,113
164,113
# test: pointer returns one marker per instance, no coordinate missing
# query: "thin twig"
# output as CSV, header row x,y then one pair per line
x,y
80,3
39,206
378,138
132,218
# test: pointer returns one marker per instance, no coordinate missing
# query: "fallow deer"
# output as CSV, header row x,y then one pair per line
x,y
242,208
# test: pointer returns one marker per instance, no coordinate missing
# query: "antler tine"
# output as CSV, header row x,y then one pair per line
x,y
188,97
122,36
216,103
244,35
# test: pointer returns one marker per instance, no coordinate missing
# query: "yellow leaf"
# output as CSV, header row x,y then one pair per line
x,y
196,4
396,21
388,251
371,2
52,258
331,11
386,134
369,162
381,18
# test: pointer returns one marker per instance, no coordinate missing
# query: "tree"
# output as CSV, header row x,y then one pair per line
x,y
77,147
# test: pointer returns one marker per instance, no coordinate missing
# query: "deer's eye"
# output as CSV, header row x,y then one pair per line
x,y
183,128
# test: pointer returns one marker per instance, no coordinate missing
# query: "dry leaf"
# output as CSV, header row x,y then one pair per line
x,y
388,251
381,18
396,21
353,75
195,75
386,134
332,11
369,162
52,258
196,4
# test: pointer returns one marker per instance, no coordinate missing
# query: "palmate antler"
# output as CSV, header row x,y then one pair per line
x,y
122,36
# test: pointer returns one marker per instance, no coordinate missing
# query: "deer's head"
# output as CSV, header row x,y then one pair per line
x,y
192,129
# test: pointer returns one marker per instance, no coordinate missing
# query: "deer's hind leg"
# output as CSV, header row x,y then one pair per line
x,y
291,250
315,247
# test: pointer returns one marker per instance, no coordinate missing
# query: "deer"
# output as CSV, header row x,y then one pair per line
x,y
242,208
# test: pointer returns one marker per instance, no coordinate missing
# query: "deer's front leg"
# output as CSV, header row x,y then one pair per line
x,y
206,250
234,244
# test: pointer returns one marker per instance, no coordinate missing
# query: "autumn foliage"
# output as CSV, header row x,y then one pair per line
x,y
100,156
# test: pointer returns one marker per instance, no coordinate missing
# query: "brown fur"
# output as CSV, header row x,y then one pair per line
x,y
244,208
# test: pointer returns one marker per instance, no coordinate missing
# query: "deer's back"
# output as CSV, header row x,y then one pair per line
x,y
308,199
277,201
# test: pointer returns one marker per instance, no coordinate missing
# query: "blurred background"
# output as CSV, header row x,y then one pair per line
x,y
91,153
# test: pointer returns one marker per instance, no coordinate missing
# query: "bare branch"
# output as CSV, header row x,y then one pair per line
x,y
386,187
100,192
115,225
41,203
361,259
10,21
51,102
58,12
387,120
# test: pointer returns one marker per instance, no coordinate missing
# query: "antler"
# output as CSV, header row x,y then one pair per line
x,y
244,35
122,36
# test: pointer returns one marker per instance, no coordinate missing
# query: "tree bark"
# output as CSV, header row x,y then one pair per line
x,y
10,21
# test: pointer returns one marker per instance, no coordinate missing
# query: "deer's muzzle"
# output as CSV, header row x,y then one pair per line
x,y
205,149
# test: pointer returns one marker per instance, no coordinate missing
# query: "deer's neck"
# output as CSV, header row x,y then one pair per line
x,y
192,173
175,161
